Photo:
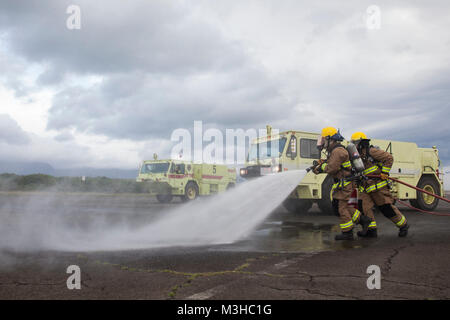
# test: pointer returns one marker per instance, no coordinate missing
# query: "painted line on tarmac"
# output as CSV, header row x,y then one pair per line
x,y
241,269
288,262
207,293
284,264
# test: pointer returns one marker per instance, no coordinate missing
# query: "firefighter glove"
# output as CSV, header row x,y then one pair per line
x,y
384,176
319,168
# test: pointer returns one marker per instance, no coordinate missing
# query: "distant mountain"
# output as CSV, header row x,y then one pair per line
x,y
25,168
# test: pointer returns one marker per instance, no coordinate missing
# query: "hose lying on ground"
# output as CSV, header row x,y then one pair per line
x,y
420,190
423,211
411,186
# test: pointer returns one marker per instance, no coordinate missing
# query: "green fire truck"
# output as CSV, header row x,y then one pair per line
x,y
168,178
295,150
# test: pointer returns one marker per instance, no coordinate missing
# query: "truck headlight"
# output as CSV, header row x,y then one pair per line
x,y
243,172
277,168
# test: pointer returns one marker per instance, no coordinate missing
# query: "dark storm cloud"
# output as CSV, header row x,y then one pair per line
x,y
424,115
162,68
162,65
11,133
139,106
152,36
414,112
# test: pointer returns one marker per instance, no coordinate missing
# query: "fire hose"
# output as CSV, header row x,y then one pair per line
x,y
411,186
315,163
418,189
423,211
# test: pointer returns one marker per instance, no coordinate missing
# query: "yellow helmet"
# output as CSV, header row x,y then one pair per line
x,y
329,131
358,136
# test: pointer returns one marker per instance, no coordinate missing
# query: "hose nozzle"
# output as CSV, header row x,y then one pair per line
x,y
315,164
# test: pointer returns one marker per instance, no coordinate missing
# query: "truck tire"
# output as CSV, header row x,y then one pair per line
x,y
191,192
297,205
424,201
325,203
164,198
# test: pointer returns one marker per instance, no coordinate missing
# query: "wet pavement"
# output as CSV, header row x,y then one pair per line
x,y
287,257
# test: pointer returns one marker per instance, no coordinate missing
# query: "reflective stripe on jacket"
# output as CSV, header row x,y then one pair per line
x,y
338,163
377,162
342,183
373,187
345,165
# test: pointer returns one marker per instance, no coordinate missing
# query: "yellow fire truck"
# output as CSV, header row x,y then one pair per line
x,y
295,150
168,178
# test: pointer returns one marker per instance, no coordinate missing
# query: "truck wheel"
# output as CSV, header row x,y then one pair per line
x,y
297,205
325,203
164,198
191,192
424,201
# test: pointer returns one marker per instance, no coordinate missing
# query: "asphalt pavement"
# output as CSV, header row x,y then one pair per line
x,y
289,256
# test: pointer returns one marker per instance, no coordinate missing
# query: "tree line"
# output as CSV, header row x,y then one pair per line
x,y
43,182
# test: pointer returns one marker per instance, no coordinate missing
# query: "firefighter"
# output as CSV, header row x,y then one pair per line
x,y
375,191
338,166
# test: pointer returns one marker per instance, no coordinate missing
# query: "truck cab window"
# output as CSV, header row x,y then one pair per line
x,y
155,167
177,168
308,149
265,150
291,150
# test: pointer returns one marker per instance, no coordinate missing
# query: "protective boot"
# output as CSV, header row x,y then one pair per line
x,y
371,233
364,221
403,231
344,236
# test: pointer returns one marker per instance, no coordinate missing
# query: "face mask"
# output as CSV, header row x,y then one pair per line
x,y
320,143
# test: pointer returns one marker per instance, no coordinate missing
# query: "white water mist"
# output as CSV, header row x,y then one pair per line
x,y
224,218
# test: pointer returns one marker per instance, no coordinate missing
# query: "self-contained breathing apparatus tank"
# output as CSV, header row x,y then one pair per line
x,y
355,158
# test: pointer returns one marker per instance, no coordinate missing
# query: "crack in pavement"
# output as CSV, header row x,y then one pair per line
x,y
388,263
311,279
241,269
24,283
191,276
83,281
310,291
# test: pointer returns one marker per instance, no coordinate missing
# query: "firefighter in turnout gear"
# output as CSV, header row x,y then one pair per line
x,y
338,166
375,191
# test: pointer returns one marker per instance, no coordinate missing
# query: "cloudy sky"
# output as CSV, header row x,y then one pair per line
x,y
111,93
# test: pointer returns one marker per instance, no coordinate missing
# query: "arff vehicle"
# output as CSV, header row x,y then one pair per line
x,y
296,150
168,178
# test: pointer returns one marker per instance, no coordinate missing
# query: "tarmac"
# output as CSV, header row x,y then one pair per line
x,y
288,257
